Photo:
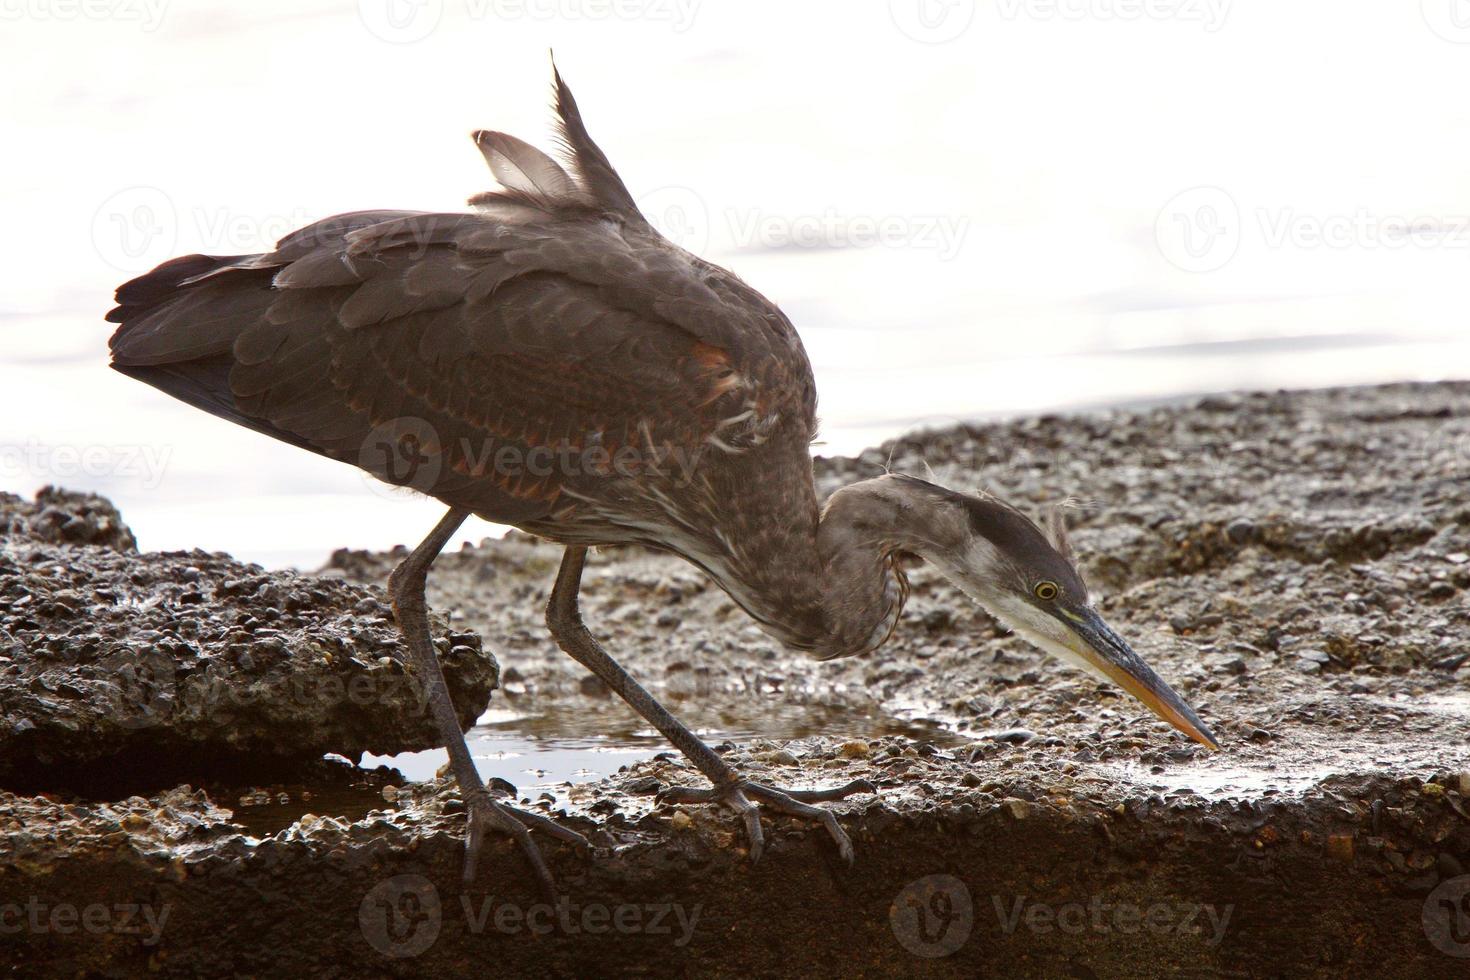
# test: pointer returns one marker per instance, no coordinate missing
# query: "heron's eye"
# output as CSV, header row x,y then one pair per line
x,y
1046,591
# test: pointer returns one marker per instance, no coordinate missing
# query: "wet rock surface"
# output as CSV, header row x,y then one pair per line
x,y
1021,863
1288,562
1294,564
121,669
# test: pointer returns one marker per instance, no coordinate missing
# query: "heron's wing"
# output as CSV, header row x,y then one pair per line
x,y
479,338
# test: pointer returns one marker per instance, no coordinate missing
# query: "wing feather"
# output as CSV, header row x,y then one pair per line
x,y
519,166
471,335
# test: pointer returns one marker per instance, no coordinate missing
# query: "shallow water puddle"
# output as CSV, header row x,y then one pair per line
x,y
545,753
522,750
526,761
1226,782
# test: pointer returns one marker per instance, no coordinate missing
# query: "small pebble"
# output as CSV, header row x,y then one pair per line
x,y
1240,530
856,749
938,619
644,785
1018,809
1011,736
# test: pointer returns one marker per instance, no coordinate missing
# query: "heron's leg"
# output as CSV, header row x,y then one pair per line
x,y
564,619
406,590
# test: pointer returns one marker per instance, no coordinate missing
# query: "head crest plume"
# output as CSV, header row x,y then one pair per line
x,y
1054,523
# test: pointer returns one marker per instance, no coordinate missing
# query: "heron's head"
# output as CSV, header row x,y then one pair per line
x,y
1025,575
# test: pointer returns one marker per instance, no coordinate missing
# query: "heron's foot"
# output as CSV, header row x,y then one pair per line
x,y
741,794
486,814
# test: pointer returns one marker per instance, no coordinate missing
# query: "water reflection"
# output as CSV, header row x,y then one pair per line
x,y
543,752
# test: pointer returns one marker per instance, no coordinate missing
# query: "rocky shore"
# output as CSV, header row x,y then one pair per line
x,y
1294,564
149,668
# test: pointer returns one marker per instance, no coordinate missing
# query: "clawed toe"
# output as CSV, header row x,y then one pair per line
x,y
739,795
535,821
487,814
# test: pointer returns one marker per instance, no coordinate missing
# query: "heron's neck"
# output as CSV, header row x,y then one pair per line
x,y
826,581
863,528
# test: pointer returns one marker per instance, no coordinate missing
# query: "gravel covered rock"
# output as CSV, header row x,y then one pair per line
x,y
1295,565
65,517
116,665
1358,502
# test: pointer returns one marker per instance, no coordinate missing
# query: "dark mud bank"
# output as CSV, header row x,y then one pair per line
x,y
1294,564
1040,870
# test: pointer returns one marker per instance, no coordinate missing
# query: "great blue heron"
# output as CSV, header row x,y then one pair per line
x,y
670,406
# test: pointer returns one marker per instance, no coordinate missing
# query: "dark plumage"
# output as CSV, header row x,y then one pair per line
x,y
554,317
550,361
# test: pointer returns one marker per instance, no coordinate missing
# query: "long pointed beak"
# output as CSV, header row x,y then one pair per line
x,y
1110,655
